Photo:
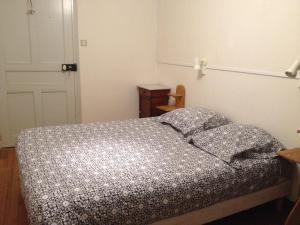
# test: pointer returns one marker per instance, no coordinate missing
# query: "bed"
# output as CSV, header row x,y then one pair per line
x,y
137,172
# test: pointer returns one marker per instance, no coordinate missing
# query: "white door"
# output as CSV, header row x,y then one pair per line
x,y
36,38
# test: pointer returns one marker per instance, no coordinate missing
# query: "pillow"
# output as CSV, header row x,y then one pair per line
x,y
234,141
190,120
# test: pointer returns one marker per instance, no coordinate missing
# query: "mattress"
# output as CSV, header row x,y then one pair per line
x,y
126,172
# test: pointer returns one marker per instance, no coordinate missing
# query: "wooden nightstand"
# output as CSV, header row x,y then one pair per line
x,y
151,96
292,155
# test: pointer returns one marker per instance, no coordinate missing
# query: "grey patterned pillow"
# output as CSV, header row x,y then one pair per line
x,y
191,120
233,141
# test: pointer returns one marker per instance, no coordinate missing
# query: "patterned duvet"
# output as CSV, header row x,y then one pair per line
x,y
127,172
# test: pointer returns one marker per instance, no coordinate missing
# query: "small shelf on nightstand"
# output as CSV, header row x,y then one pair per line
x,y
292,155
176,95
179,100
168,108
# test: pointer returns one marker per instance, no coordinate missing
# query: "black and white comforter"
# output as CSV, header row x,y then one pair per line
x,y
128,172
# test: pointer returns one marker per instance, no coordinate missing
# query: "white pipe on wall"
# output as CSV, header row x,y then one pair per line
x,y
230,69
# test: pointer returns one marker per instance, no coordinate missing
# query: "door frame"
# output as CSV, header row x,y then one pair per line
x,y
3,122
77,86
77,61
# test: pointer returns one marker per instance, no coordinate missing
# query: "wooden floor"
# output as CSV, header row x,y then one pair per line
x,y
12,209
13,212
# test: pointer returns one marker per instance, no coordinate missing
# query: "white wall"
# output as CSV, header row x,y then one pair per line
x,y
255,35
121,53
258,35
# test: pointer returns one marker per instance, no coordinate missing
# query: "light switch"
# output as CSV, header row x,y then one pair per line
x,y
83,43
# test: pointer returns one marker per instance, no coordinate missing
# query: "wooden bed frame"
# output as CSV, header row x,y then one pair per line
x,y
232,206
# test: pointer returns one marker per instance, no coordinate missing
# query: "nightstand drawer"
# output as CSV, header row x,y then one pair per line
x,y
144,92
153,93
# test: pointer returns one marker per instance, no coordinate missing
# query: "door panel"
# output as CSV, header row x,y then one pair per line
x,y
48,24
54,115
35,78
33,89
16,32
21,113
